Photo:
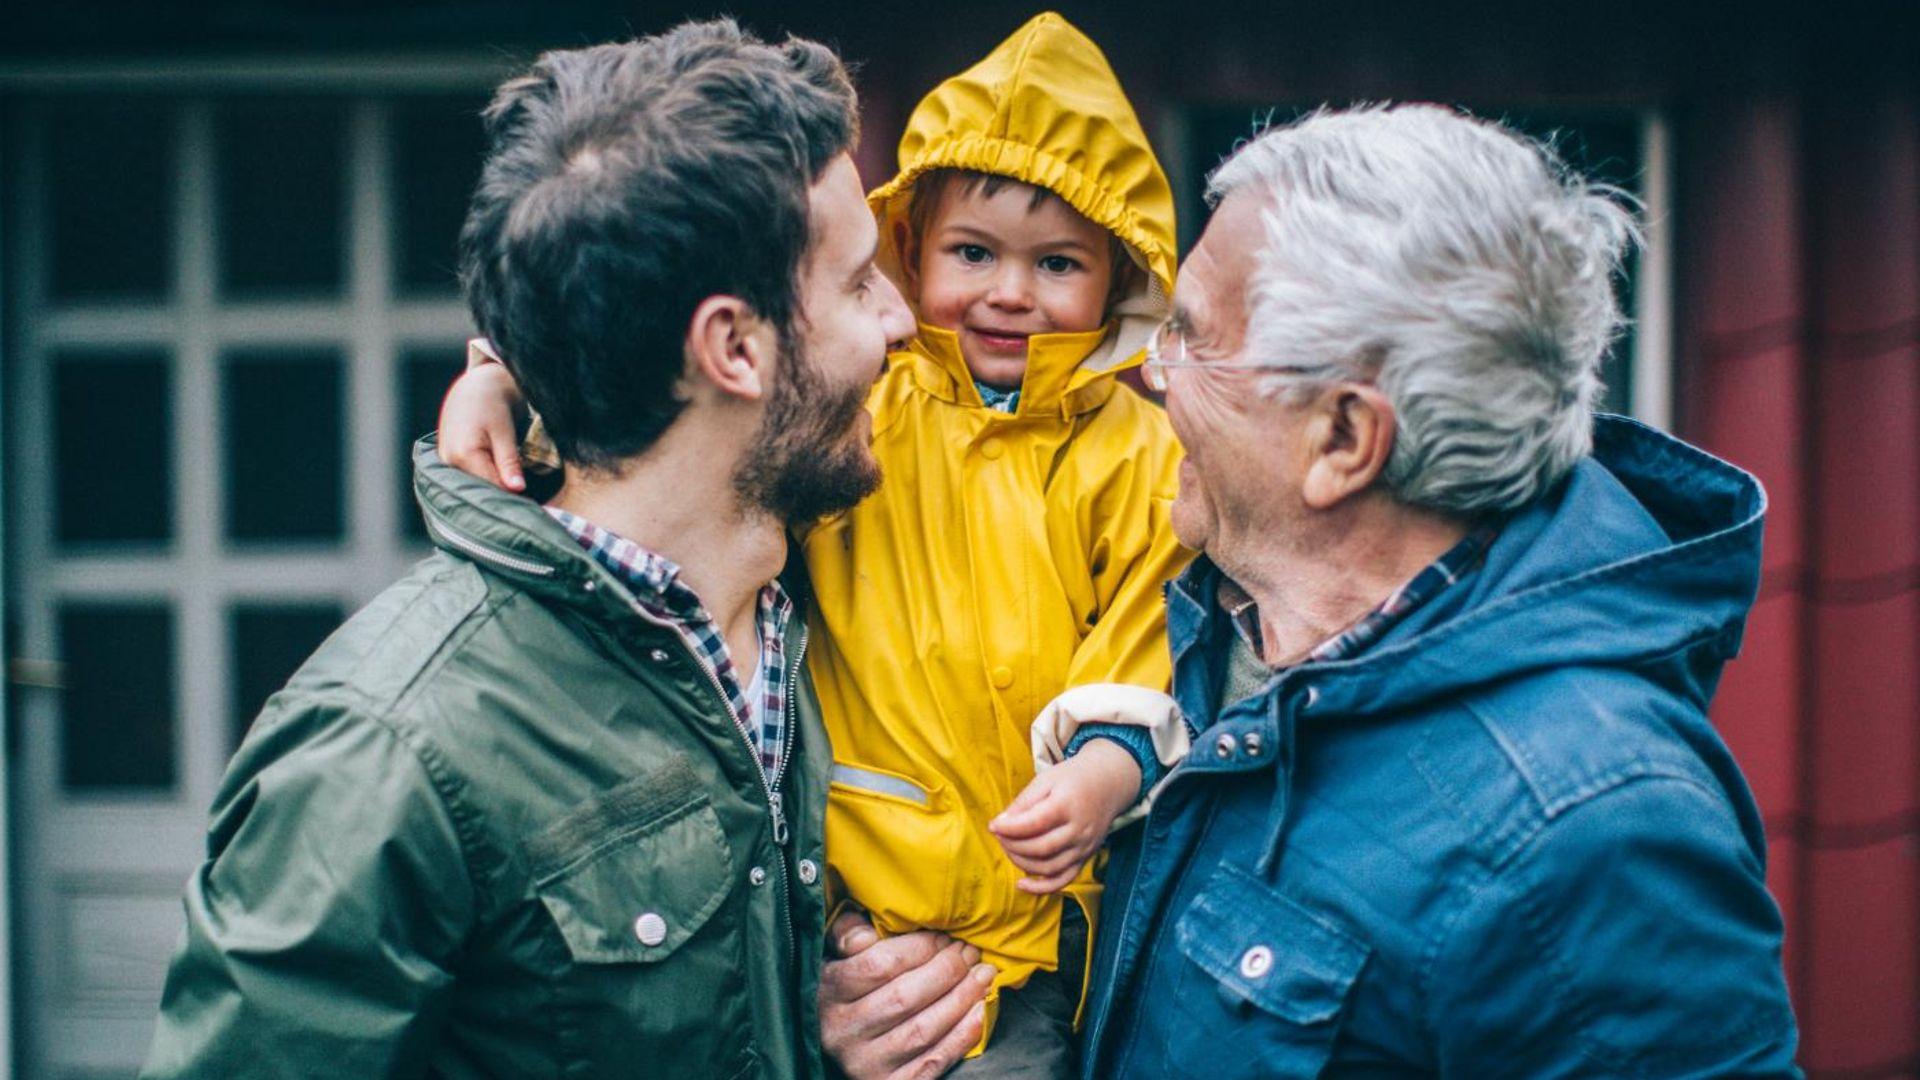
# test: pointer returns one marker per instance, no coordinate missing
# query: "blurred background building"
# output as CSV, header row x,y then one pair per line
x,y
227,304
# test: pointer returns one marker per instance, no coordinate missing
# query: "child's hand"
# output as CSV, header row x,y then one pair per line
x,y
1063,816
476,426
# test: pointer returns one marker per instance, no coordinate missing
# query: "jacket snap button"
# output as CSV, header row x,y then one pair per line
x,y
1251,743
809,873
658,656
650,928
590,585
1223,746
1313,695
991,448
1002,677
757,875
1256,961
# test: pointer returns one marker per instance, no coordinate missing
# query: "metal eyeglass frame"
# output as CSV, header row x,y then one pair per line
x,y
1153,371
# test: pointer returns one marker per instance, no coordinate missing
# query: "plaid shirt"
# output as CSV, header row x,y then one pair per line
x,y
1459,560
655,582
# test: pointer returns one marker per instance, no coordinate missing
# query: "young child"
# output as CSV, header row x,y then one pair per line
x,y
1017,546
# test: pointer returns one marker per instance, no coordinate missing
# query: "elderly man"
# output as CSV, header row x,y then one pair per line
x,y
1453,805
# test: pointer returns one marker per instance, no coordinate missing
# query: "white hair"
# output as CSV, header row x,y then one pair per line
x,y
1459,266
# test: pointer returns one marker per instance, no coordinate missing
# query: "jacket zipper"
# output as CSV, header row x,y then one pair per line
x,y
482,552
780,772
776,809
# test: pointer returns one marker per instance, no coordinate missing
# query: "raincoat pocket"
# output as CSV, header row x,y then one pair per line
x,y
894,842
1267,981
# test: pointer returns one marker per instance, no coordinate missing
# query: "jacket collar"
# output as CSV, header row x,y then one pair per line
x,y
1056,382
1650,546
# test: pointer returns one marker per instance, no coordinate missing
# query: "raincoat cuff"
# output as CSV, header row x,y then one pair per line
x,y
1110,703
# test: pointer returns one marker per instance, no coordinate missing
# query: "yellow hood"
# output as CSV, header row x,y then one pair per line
x,y
1044,108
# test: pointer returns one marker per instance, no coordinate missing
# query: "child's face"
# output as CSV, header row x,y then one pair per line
x,y
998,269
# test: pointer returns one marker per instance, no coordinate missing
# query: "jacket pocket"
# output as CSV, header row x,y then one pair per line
x,y
638,882
1265,977
894,842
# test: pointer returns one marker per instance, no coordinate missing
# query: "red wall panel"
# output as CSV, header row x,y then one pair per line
x,y
1800,309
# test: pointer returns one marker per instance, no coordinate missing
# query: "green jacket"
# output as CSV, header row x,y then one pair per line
x,y
502,824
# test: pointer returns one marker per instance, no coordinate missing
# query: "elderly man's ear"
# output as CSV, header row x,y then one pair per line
x,y
730,349
1349,437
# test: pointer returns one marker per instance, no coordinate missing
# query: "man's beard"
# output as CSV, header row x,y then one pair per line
x,y
805,463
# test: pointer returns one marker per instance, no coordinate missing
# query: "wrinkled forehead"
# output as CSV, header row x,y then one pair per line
x,y
1211,293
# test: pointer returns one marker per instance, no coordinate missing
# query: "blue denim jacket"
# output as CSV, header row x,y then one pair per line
x,y
1504,841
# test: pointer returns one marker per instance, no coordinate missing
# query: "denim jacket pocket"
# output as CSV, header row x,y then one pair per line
x,y
1267,983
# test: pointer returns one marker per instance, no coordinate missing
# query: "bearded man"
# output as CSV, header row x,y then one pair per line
x,y
552,805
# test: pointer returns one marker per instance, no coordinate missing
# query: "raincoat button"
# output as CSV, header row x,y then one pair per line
x,y
1251,743
992,449
658,656
1256,961
1223,746
757,875
809,873
650,928
1002,677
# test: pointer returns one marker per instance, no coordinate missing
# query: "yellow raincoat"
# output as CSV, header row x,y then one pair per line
x,y
1005,558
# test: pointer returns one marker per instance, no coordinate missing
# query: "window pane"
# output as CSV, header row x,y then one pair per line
x,y
110,185
282,198
284,441
270,642
113,454
118,710
425,375
436,162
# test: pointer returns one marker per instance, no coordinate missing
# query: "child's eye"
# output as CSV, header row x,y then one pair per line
x,y
973,253
1058,264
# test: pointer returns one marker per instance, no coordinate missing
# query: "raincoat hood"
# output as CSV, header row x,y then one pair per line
x,y
1044,108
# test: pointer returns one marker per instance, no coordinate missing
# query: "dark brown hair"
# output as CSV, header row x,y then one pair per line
x,y
626,183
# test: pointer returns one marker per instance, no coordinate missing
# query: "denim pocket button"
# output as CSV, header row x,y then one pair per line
x,y
1256,961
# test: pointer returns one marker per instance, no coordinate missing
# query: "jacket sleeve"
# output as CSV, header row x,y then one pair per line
x,y
1133,555
1145,722
321,926
1634,936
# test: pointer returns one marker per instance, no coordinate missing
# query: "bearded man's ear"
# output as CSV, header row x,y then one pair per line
x,y
730,349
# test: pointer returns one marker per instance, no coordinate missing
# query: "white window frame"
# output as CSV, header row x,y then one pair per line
x,y
200,574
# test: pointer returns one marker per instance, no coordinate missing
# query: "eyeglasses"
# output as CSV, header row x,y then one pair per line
x,y
1167,348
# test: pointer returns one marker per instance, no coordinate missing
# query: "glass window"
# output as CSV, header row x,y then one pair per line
x,y
113,453
285,445
425,375
436,162
270,642
117,712
110,187
282,198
